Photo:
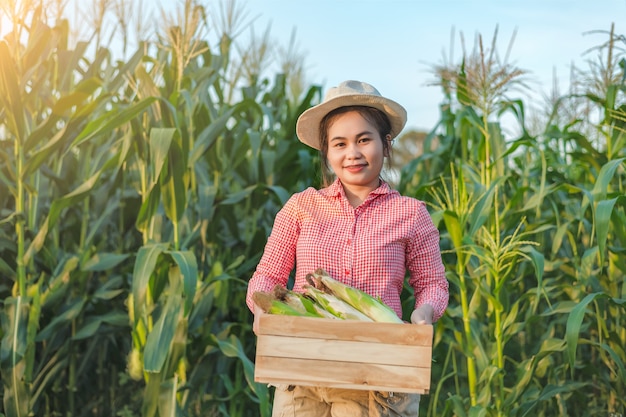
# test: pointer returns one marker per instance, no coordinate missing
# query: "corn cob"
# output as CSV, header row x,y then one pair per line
x,y
300,302
270,304
371,307
334,305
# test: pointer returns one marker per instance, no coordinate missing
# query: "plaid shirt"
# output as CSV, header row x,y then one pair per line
x,y
369,247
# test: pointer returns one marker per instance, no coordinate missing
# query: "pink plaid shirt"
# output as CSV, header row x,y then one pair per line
x,y
369,247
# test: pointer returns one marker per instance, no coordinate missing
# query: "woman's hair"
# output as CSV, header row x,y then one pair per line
x,y
374,116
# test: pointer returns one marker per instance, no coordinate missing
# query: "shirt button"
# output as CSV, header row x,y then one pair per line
x,y
347,272
349,241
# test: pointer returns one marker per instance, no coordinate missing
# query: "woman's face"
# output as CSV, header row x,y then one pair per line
x,y
355,151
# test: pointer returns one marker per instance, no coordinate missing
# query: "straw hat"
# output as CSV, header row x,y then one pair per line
x,y
348,93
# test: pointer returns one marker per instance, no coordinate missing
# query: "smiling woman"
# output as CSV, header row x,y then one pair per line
x,y
359,229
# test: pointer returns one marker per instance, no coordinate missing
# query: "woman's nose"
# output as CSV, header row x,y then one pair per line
x,y
354,152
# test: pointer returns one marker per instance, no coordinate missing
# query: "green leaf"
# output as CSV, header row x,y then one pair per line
x,y
206,208
232,348
111,288
477,411
62,319
208,135
586,270
188,266
10,94
77,97
55,212
173,183
168,406
453,226
558,239
456,403
69,61
148,209
282,194
112,120
481,211
160,338
239,196
146,261
602,213
550,391
618,360
538,261
104,261
151,395
90,326
160,143
574,322
605,176
14,326
128,67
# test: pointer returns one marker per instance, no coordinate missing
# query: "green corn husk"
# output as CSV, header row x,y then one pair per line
x,y
300,302
371,307
271,305
334,305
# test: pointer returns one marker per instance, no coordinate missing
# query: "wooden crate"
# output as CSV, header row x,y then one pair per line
x,y
344,354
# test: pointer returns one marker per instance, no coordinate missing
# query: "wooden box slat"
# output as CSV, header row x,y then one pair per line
x,y
348,375
344,354
344,351
409,334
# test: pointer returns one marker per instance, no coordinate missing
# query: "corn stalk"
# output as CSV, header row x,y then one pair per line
x,y
509,285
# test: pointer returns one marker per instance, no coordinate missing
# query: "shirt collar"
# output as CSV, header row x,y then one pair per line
x,y
336,189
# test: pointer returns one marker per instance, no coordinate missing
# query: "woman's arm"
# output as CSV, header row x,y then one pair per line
x,y
427,272
278,257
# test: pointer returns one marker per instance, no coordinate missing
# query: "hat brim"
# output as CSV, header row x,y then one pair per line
x,y
308,124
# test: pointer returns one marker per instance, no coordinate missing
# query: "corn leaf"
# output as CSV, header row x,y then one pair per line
x,y
605,176
173,182
146,261
188,266
160,338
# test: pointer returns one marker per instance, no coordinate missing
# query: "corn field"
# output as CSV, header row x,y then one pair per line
x,y
137,192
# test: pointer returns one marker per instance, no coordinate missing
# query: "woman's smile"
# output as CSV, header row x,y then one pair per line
x,y
355,167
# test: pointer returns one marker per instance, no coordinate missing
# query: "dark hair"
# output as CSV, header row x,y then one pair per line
x,y
374,116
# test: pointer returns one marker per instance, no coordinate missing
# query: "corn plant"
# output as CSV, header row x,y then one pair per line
x,y
59,108
527,250
110,179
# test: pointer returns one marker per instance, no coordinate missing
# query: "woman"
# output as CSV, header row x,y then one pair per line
x,y
358,229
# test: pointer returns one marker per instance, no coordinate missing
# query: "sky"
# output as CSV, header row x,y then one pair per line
x,y
393,44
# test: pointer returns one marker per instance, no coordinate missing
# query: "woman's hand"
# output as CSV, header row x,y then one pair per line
x,y
257,314
422,314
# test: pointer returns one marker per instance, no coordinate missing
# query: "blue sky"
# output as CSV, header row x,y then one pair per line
x,y
392,44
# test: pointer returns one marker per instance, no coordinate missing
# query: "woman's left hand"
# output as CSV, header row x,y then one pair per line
x,y
423,314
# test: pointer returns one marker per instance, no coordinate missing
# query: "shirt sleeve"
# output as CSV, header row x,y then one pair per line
x,y
278,257
425,266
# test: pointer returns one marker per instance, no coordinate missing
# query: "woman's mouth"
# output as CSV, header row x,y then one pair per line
x,y
355,168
